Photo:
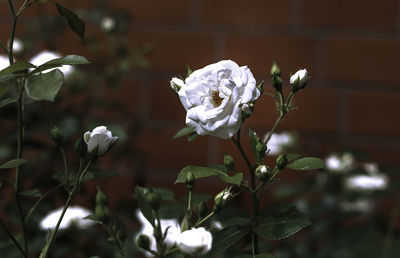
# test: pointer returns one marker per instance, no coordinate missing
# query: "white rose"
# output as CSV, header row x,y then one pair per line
x,y
46,56
196,241
299,79
212,97
100,140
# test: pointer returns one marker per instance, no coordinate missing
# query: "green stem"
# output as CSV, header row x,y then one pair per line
x,y
189,206
204,219
39,200
12,238
64,159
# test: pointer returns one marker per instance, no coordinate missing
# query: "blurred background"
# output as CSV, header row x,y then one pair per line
x,y
350,106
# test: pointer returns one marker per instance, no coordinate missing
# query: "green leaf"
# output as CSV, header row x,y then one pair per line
x,y
307,163
255,256
292,156
281,221
6,77
166,194
15,67
7,101
34,193
202,172
227,237
192,136
140,195
97,174
74,22
183,132
92,217
13,163
57,62
189,71
44,86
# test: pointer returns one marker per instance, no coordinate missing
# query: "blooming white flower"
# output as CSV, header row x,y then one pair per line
x,y
212,97
46,56
4,62
107,23
176,84
196,241
74,215
299,79
278,142
147,230
99,140
366,182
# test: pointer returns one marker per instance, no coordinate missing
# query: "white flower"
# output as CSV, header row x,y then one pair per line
x,y
278,142
299,79
176,84
46,56
212,97
107,23
73,216
99,140
366,182
196,241
339,164
4,62
174,231
18,46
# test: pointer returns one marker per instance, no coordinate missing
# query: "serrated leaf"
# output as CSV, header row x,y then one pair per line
x,y
292,156
97,174
140,196
307,163
7,101
13,163
16,67
255,256
74,22
202,172
44,86
57,62
281,221
183,132
227,237
34,193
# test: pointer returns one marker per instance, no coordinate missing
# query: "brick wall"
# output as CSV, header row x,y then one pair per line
x,y
351,49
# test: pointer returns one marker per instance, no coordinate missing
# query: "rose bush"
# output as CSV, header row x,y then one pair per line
x,y
213,97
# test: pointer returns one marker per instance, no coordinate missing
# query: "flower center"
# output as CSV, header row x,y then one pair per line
x,y
217,100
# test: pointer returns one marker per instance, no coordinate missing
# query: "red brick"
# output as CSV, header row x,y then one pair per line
x,y
374,113
161,151
164,103
258,53
355,59
318,112
260,12
358,14
174,50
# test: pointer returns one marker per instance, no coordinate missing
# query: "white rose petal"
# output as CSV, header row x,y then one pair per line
x,y
46,56
73,216
100,140
196,241
212,97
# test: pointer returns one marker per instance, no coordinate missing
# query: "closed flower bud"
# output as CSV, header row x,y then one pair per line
x,y
299,80
281,161
263,173
277,83
229,162
101,210
80,148
190,179
99,141
222,199
143,241
261,148
203,209
154,199
275,70
56,135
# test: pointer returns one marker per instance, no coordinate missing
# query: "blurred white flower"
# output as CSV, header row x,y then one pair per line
x,y
100,140
196,241
278,142
18,46
366,182
360,205
174,231
107,23
4,62
74,215
336,163
46,56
